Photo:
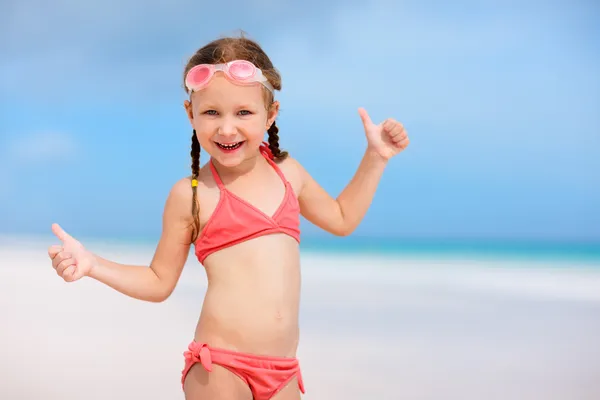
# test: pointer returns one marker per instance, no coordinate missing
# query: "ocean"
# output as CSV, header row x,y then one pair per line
x,y
588,252
463,249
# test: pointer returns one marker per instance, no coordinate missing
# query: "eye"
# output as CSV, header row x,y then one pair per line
x,y
210,112
245,112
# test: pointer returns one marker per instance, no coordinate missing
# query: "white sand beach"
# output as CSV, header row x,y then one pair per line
x,y
371,328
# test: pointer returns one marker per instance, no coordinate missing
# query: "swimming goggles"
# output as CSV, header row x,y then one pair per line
x,y
238,71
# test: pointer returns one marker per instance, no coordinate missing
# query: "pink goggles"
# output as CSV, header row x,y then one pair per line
x,y
238,71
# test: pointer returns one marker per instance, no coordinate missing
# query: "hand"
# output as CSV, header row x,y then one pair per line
x,y
71,260
387,138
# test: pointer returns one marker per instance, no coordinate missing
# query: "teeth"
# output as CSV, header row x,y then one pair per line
x,y
229,146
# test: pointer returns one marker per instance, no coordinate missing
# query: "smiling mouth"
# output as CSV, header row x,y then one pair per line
x,y
229,146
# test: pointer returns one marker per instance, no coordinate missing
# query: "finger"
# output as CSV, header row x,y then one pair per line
x,y
60,257
63,265
390,124
403,143
364,116
60,233
69,273
54,250
395,130
398,138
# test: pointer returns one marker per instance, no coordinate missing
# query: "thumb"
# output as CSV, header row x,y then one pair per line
x,y
364,116
60,233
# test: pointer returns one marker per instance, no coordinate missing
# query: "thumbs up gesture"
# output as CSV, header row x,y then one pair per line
x,y
387,138
70,260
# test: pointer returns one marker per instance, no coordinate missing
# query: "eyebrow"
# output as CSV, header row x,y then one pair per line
x,y
247,105
201,104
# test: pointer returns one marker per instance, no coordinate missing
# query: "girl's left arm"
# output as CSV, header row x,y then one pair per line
x,y
341,216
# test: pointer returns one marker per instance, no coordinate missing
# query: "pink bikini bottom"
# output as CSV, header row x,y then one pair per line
x,y
265,375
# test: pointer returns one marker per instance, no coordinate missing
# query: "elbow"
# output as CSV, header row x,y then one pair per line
x,y
344,226
157,299
343,230
159,290
160,296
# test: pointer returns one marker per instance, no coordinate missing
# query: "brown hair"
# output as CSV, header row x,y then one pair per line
x,y
221,51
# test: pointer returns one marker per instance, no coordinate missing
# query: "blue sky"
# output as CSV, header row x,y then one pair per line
x,y
500,100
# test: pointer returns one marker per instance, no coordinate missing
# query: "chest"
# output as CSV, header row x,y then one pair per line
x,y
266,195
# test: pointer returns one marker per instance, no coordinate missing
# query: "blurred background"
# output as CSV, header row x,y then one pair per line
x,y
501,101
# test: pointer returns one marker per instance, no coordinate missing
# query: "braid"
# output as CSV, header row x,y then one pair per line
x,y
195,153
273,132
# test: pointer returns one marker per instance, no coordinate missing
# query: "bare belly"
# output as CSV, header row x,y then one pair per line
x,y
252,301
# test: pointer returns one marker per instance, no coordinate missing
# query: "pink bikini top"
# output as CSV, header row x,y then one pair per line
x,y
234,220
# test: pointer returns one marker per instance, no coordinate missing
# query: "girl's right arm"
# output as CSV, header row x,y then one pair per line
x,y
154,283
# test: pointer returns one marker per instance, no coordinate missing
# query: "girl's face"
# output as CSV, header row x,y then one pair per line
x,y
230,120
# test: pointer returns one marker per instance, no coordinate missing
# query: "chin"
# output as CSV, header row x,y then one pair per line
x,y
229,162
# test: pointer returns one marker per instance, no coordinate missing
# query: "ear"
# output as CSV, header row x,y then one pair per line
x,y
272,113
189,111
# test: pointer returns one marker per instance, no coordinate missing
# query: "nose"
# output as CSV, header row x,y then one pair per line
x,y
227,127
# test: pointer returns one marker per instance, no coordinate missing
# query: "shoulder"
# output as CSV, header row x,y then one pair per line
x,y
180,198
293,171
290,164
293,167
182,189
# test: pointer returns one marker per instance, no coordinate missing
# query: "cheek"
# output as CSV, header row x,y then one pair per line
x,y
204,133
255,131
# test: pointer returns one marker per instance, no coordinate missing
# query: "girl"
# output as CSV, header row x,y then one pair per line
x,y
241,211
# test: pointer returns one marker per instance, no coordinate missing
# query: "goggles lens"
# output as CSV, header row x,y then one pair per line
x,y
242,70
